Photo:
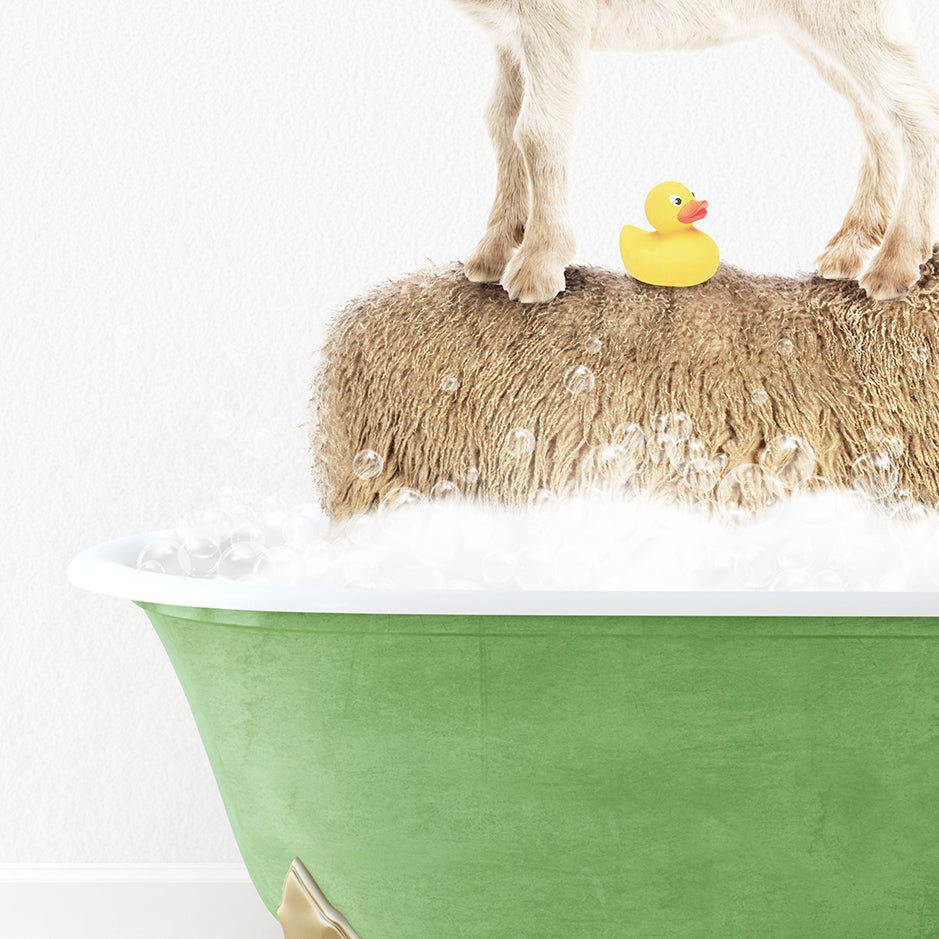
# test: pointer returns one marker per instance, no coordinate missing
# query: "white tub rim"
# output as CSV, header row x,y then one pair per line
x,y
109,569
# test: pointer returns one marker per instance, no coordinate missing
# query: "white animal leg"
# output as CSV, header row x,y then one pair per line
x,y
510,209
553,67
868,215
887,71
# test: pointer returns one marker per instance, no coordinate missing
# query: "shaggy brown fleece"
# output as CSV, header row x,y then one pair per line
x,y
702,350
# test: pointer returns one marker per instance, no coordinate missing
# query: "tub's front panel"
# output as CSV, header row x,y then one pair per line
x,y
624,779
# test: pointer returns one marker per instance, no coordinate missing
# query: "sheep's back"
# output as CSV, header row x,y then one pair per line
x,y
704,350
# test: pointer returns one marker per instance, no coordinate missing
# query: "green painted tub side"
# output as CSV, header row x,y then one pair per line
x,y
546,777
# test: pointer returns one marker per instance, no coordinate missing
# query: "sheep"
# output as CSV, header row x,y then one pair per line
x,y
432,371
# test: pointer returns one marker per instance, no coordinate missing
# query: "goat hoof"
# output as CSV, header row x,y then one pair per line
x,y
840,262
487,263
481,270
533,278
889,280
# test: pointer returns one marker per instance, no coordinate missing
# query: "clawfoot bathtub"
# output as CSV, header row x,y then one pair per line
x,y
538,765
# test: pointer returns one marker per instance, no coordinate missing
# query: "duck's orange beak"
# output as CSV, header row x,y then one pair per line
x,y
692,211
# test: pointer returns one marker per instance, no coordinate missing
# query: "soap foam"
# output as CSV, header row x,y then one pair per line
x,y
827,540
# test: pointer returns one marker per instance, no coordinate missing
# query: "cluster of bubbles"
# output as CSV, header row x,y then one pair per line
x,y
238,541
827,540
666,460
770,525
691,521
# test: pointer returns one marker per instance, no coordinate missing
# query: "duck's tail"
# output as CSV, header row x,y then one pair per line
x,y
629,240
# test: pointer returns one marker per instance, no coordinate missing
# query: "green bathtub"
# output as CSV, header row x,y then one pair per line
x,y
548,764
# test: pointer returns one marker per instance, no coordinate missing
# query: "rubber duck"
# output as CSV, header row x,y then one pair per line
x,y
676,254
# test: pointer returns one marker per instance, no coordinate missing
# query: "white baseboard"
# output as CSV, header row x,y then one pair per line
x,y
124,874
132,901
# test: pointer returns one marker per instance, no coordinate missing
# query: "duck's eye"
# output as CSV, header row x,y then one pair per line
x,y
675,200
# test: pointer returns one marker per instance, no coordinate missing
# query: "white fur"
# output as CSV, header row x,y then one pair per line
x,y
862,48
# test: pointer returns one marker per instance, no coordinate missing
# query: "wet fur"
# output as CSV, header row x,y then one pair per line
x,y
700,349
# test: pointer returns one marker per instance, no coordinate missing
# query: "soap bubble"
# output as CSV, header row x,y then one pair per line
x,y
759,396
237,561
541,499
445,491
272,508
660,448
813,484
921,353
607,468
746,489
222,423
500,569
687,451
215,519
230,497
874,475
827,580
790,580
579,380
880,564
700,476
247,532
449,384
360,529
443,541
410,572
678,425
893,447
301,526
307,509
720,460
367,464
659,423
519,442
126,337
358,568
631,438
874,435
204,554
535,568
280,565
402,515
470,475
704,509
259,442
401,498
909,509
796,553
755,566
318,564
593,345
164,556
790,459
784,347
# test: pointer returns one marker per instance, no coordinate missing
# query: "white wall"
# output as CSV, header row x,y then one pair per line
x,y
228,172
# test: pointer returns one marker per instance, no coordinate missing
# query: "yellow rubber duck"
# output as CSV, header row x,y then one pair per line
x,y
676,254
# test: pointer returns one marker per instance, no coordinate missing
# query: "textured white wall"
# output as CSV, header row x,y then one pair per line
x,y
228,172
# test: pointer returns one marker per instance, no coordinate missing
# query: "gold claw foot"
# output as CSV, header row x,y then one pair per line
x,y
304,912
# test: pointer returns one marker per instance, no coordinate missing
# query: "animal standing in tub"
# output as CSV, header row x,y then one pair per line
x,y
676,254
859,47
746,357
